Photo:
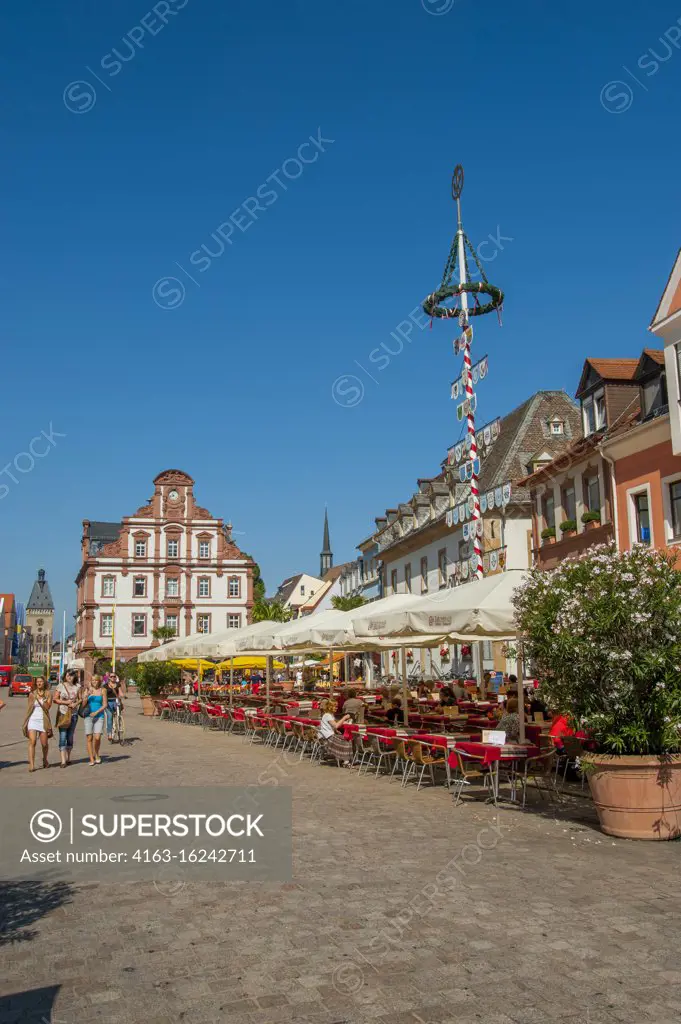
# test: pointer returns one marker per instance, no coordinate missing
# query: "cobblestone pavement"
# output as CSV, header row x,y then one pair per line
x,y
536,917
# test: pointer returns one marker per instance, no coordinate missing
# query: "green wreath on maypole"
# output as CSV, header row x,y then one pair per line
x,y
432,304
450,286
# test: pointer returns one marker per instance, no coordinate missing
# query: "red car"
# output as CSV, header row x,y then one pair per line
x,y
5,673
21,683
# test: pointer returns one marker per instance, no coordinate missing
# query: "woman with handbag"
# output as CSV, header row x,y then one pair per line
x,y
92,708
67,699
37,721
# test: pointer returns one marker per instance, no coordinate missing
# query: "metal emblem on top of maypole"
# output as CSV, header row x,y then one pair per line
x,y
457,182
457,285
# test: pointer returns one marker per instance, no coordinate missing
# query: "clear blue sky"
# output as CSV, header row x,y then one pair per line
x,y
234,385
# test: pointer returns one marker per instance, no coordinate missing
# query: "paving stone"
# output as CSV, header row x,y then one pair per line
x,y
555,922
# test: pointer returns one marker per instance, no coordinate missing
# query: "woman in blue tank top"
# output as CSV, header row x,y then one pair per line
x,y
93,707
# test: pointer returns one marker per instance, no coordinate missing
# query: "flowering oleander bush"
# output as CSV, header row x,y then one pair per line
x,y
604,632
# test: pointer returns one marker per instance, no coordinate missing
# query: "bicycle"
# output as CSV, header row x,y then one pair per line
x,y
118,730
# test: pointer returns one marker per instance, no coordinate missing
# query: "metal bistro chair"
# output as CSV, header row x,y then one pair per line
x,y
401,759
417,759
541,769
259,725
374,753
312,744
573,750
471,768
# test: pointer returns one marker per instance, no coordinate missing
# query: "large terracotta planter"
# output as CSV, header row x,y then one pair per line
x,y
148,707
592,524
637,797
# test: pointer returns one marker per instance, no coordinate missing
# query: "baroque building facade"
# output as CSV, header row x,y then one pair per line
x,y
171,563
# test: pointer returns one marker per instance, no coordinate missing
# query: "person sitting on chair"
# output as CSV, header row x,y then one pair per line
x,y
510,721
395,715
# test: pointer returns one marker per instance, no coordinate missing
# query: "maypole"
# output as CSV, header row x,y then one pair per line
x,y
434,307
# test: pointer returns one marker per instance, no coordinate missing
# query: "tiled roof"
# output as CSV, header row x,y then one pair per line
x,y
614,369
655,353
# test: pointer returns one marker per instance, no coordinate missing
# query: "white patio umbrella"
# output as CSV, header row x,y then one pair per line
x,y
225,644
480,610
179,648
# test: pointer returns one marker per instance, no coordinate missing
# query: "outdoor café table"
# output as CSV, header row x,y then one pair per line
x,y
494,756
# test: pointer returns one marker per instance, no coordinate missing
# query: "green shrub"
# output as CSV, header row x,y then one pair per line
x,y
604,632
568,526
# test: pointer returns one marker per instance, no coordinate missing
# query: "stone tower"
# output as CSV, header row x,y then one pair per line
x,y
40,620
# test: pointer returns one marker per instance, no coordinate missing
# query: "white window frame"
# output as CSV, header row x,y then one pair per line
x,y
201,616
234,580
176,583
204,544
175,544
666,483
106,617
135,580
632,493
236,624
172,624
113,588
556,427
143,552
203,585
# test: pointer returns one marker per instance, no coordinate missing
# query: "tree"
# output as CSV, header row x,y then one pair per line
x,y
163,633
258,582
347,604
604,632
274,611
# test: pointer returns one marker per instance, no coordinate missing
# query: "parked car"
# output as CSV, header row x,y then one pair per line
x,y
5,674
22,683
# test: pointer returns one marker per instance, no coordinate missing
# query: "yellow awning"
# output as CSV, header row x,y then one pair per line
x,y
197,664
248,662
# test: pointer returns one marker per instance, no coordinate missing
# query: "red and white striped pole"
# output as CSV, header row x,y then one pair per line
x,y
468,383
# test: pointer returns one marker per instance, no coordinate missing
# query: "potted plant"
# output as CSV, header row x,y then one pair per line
x,y
591,520
154,678
604,631
548,535
568,528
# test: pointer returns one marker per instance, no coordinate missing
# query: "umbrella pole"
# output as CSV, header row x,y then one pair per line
x,y
231,682
481,664
268,674
521,692
405,688
199,664
346,668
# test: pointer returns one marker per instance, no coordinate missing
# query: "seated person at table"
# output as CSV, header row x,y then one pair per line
x,y
537,706
423,690
354,706
560,726
459,690
329,725
396,715
510,721
447,697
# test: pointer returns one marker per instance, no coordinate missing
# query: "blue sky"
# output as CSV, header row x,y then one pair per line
x,y
117,170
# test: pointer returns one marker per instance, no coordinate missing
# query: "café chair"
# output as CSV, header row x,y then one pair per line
x,y
417,759
541,770
470,769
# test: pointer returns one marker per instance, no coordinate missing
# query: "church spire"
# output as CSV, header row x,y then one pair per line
x,y
326,557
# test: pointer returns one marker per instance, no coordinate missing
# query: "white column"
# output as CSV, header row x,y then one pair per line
x,y
579,501
558,505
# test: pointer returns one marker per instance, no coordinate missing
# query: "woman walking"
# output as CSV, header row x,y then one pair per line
x,y
37,721
93,706
112,688
67,699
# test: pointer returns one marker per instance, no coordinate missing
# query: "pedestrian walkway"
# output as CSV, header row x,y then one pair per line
x,y
402,909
